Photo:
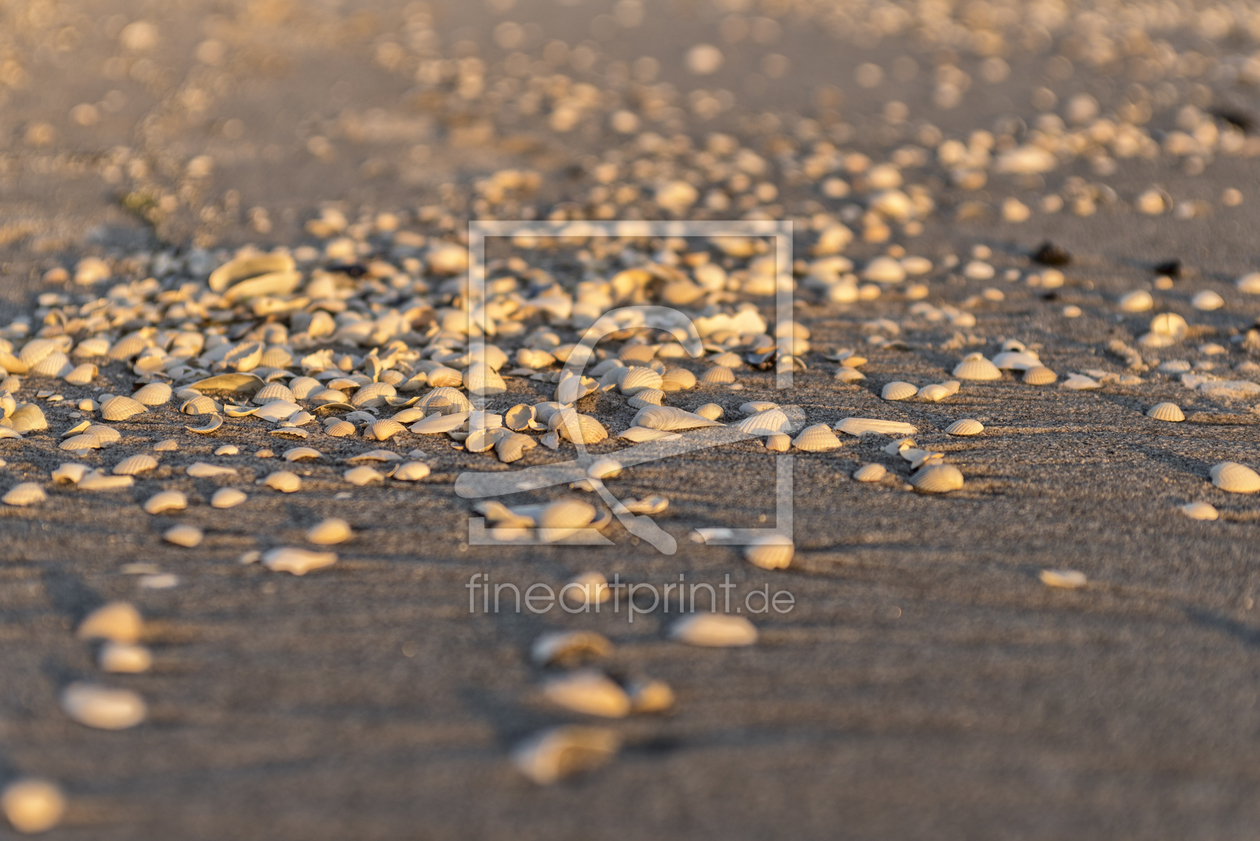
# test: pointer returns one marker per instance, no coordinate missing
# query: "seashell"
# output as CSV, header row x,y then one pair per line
x,y
677,379
445,377
121,408
1199,511
718,375
374,455
1166,412
481,440
102,707
201,470
55,364
861,426
410,415
1068,579
563,518
728,360
817,439
135,465
244,357
372,395
565,751
647,397
482,380
1080,382
183,535
884,270
976,367
121,658
640,379
765,423
966,426
362,475
199,405
639,434
82,374
714,630
91,347
870,473
771,552
589,588
445,400
1235,478
296,561
1207,300
570,423
32,806
28,418
272,391
895,447
1139,300
25,493
1012,359
227,498
511,448
329,532
1169,324
650,696
935,392
411,471
438,424
520,418
247,266
937,479
115,621
710,411
284,481
241,383
227,450
153,394
211,424
70,472
1249,283
302,454
278,410
589,692
105,434
898,390
383,430
304,387
164,501
98,481
1040,375
5,432
566,647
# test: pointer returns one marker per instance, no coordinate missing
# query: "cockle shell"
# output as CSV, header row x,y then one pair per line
x,y
272,391
817,439
362,475
718,375
82,374
199,405
861,426
589,692
765,423
328,532
277,410
98,481
121,408
24,493
1235,478
438,424
563,752
30,418
70,472
284,481
1040,375
898,390
773,552
55,364
778,442
135,465
714,630
677,379
383,430
569,423
166,501
339,429
482,380
227,498
870,473
411,471
116,621
201,470
302,454
296,561
153,394
709,411
976,367
1166,412
966,426
935,392
937,478
121,658
639,379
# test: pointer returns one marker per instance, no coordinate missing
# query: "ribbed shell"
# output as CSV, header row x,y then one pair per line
x,y
937,478
121,408
78,443
304,387
212,423
91,348
647,397
640,353
669,419
276,357
329,532
363,475
153,394
779,442
898,390
1166,412
166,501
372,394
82,374
445,378
976,367
383,430
765,423
639,379
728,360
714,630
934,392
340,429
445,400
1040,375
566,514
25,493
718,375
227,498
712,411
273,391
29,418
413,471
861,426
966,426
773,552
328,396
817,439
302,454
677,379
481,379
870,473
438,424
591,430
1200,511
588,692
135,465
55,364
105,434
283,481
1235,478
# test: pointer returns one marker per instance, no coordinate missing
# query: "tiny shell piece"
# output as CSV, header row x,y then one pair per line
x,y
714,630
296,561
1068,579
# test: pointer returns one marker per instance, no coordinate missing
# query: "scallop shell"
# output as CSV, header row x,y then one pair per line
x,y
184,535
121,408
284,481
383,430
362,475
227,498
32,806
935,392
1166,412
70,472
778,442
870,473
773,552
677,379
1200,511
29,418
714,630
1067,579
372,395
296,561
165,501
153,394
565,647
25,493
861,426
134,465
1040,375
273,391
639,379
302,454
937,479
565,751
102,707
105,434
79,443
569,423
898,390
849,375
82,374
55,364
718,375
647,397
482,380
966,426
1235,478
710,411
201,470
329,532
445,400
588,692
304,387
211,424
438,424
817,439
98,481
411,471
340,429
976,367
765,423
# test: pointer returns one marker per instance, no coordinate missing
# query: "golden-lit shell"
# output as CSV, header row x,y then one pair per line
x,y
98,481
201,470
211,424
1200,511
116,621
329,532
183,535
976,367
437,423
718,375
102,707
1235,478
966,426
511,448
728,360
817,439
340,429
937,479
564,751
765,423
91,347
29,418
363,475
779,442
411,471
482,380
170,445
714,630
638,379
272,391
383,430
373,394
565,647
296,561
772,552
647,397
200,405
166,501
25,493
135,465
1040,375
710,411
1066,579
566,515
445,400
82,374
121,658
936,392
520,417
870,473
70,472
284,481
153,394
588,692
227,498
897,390
121,408
862,426
55,364
1166,412
304,387
32,806
445,377
570,423
677,379
849,375
105,434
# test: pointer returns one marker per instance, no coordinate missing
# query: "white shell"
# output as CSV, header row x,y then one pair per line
x,y
870,473
714,630
383,430
567,646
272,391
897,390
1200,511
411,471
773,552
116,621
638,379
121,658
1068,579
302,454
936,392
718,375
1080,382
937,478
1207,300
98,481
1040,375
284,481
861,426
778,442
438,424
296,561
340,429
677,379
669,418
976,367
70,472
363,475
121,408
329,532
966,426
25,493
1166,412
1169,324
482,380
211,424
102,707
32,806
134,465
278,410
561,752
445,400
588,692
199,405
166,501
817,439
201,470
711,411
227,498
1016,360
153,394
183,535
1235,478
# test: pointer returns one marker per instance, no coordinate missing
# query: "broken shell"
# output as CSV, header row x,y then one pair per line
x,y
201,470
1068,579
976,367
765,423
153,394
564,751
714,630
284,481
1040,375
183,535
1235,478
199,405
82,374
870,473
296,561
511,448
1200,511
362,475
70,472
122,658
772,552
718,375
1166,412
25,493
937,478
115,621
227,498
412,471
966,426
569,646
212,423
817,439
861,426
898,390
102,707
135,465
329,532
166,501
520,418
121,408
32,806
